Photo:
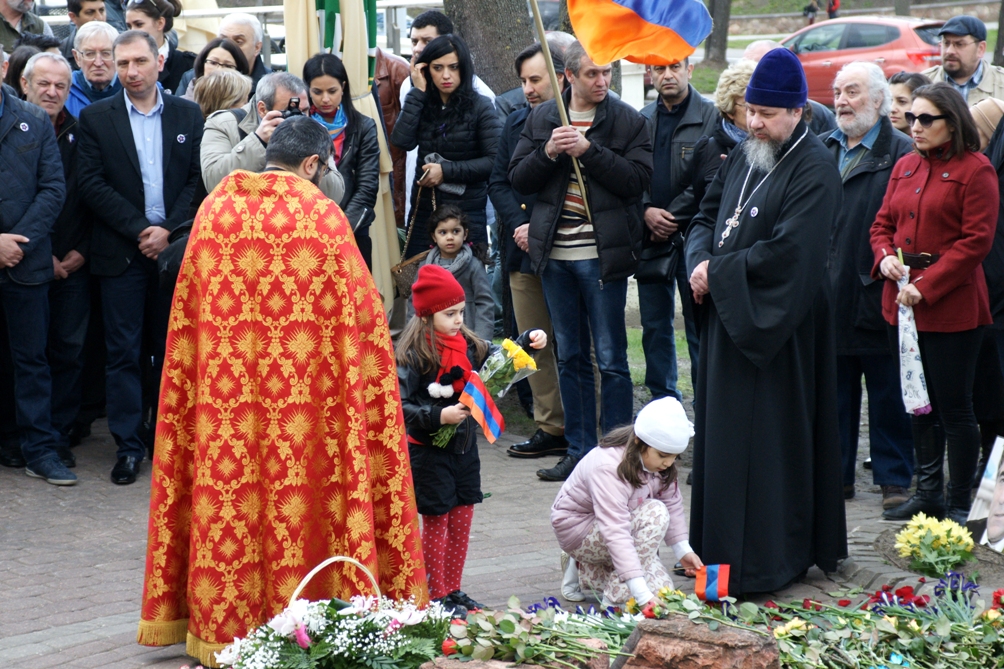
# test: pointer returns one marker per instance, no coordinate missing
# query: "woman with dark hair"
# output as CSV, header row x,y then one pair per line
x,y
902,85
456,131
15,68
218,54
156,19
940,213
354,136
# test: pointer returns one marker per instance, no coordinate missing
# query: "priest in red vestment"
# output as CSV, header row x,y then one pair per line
x,y
280,436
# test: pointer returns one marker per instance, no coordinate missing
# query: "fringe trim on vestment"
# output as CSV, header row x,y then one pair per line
x,y
203,651
161,633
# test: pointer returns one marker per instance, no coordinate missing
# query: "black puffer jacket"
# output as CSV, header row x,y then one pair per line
x,y
469,145
617,168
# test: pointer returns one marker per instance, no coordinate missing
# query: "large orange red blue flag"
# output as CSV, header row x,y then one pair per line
x,y
652,32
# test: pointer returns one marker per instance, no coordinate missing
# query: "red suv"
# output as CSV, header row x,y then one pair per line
x,y
894,44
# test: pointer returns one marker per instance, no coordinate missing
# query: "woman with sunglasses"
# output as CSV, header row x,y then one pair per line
x,y
156,19
218,54
940,212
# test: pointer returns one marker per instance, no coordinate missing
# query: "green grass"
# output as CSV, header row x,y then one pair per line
x,y
705,78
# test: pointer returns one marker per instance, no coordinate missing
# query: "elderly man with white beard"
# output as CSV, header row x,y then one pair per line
x,y
765,500
866,147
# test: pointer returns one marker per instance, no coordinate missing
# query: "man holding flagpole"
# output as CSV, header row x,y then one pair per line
x,y
766,500
584,240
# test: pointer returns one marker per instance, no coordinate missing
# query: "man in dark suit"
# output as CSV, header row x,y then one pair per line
x,y
138,165
33,192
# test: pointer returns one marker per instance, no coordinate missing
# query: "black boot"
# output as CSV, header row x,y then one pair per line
x,y
930,496
963,454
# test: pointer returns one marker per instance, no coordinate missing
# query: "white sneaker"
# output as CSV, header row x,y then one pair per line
x,y
570,589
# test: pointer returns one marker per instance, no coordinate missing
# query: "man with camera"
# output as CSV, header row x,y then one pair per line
x,y
235,139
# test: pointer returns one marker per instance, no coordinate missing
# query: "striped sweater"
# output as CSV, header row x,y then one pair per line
x,y
573,239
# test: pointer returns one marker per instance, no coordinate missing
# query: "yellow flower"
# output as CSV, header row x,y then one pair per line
x,y
914,626
992,614
510,346
522,359
891,620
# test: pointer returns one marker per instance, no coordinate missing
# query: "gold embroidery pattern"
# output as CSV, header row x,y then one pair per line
x,y
280,437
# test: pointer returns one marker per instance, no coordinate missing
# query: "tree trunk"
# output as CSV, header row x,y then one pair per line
x,y
999,46
496,31
565,22
718,41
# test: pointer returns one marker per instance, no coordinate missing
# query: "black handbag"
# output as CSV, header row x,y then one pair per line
x,y
658,262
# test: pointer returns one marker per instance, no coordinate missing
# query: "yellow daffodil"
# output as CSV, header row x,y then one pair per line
x,y
992,614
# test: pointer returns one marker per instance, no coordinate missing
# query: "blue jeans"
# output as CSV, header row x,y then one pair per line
x,y
125,300
888,423
69,308
27,312
582,310
658,310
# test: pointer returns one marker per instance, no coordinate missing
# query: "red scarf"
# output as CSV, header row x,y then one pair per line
x,y
454,366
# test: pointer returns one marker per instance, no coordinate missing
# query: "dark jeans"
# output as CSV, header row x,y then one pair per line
x,y
657,305
949,368
888,423
583,312
27,312
69,308
126,299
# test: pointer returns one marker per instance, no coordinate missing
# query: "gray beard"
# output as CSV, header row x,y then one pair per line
x,y
860,126
761,154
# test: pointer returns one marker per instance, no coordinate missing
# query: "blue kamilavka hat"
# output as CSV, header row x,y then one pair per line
x,y
778,81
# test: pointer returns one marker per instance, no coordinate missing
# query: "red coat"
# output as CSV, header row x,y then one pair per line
x,y
948,208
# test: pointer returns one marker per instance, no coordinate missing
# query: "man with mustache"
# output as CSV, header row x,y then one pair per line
x,y
866,148
765,499
963,45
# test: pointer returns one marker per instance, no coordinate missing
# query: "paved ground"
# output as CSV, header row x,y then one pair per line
x,y
71,559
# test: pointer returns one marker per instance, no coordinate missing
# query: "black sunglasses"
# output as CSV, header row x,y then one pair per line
x,y
926,120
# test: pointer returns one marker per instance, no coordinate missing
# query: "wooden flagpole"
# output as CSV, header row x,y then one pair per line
x,y
562,113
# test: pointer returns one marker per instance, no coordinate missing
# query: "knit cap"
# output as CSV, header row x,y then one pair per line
x,y
435,290
663,425
778,81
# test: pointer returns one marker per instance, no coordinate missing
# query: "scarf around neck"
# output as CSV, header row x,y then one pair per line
x,y
336,129
464,256
454,365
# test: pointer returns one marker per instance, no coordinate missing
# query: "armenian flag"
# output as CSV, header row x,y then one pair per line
x,y
651,32
712,583
477,398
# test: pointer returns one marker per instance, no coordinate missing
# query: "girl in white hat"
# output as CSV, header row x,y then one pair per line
x,y
621,501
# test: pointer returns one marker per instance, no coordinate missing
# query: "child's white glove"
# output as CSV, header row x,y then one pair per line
x,y
639,590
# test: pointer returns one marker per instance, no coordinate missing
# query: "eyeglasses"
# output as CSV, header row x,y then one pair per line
x,y
91,56
217,63
926,120
958,44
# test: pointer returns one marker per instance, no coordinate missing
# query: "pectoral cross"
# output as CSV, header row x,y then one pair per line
x,y
729,224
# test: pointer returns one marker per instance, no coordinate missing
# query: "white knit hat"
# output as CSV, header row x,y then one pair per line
x,y
663,425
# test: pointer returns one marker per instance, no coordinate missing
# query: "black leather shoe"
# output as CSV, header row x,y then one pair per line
x,y
539,445
460,597
126,470
931,506
560,471
11,457
66,457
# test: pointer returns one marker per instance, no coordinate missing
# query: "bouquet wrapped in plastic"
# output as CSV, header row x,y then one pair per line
x,y
503,368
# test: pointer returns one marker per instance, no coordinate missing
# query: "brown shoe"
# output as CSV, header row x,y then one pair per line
x,y
893,496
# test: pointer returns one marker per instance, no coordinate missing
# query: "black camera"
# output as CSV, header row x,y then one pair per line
x,y
292,109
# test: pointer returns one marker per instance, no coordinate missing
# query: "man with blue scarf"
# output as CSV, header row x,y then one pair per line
x,y
96,78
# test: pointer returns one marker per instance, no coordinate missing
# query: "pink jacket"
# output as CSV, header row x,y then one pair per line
x,y
594,493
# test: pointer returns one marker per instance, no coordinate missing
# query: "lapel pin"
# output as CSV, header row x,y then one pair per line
x,y
754,211
181,139
24,127
70,137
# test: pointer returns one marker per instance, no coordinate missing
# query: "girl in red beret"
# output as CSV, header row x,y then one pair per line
x,y
435,356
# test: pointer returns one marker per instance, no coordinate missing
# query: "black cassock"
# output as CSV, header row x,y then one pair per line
x,y
767,496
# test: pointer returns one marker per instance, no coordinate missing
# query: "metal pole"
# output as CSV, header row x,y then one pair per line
x,y
562,113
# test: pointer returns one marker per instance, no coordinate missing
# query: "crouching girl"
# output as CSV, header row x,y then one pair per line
x,y
621,501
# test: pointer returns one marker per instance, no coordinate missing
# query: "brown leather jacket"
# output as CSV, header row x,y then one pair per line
x,y
390,73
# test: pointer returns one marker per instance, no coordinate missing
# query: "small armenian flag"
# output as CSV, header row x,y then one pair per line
x,y
712,583
483,410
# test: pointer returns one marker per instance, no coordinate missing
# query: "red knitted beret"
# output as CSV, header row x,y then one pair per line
x,y
435,290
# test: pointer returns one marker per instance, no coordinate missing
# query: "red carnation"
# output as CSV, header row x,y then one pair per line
x,y
906,592
810,605
769,604
649,610
843,602
886,588
449,647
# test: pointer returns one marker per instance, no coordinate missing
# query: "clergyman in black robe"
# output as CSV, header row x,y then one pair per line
x,y
767,496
